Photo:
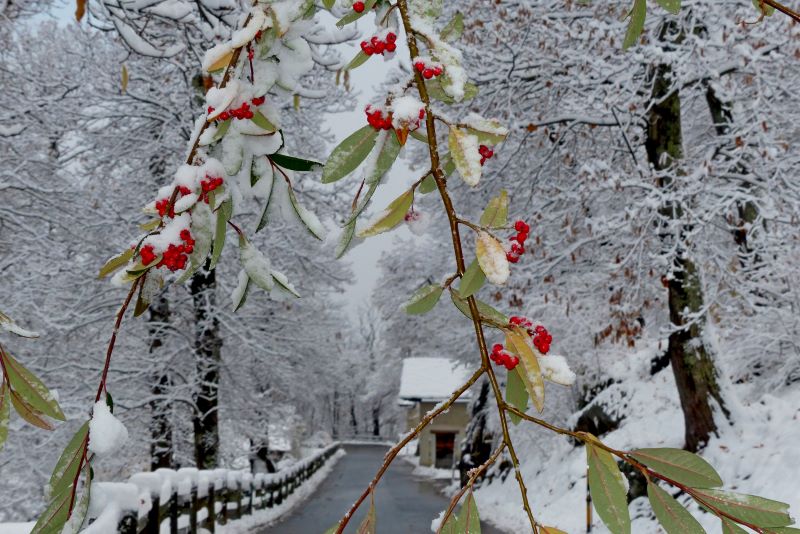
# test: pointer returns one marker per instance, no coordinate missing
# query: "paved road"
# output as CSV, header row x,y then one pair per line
x,y
405,504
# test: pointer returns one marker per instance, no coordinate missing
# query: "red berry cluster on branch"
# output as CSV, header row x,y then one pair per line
x,y
539,334
175,257
162,204
208,185
486,153
518,241
428,69
377,45
242,112
377,120
500,357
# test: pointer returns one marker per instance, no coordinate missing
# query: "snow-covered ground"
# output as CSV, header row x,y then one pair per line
x,y
758,453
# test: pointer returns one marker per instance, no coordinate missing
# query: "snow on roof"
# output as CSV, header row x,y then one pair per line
x,y
432,379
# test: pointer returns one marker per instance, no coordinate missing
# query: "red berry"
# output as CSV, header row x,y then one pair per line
x,y
520,226
186,234
521,237
497,347
511,257
419,65
427,73
421,113
224,116
483,160
437,71
380,47
257,101
358,7
391,47
210,110
391,37
512,363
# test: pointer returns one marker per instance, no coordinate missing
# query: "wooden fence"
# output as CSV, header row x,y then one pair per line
x,y
213,497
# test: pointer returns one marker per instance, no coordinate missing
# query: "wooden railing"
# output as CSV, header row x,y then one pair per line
x,y
187,500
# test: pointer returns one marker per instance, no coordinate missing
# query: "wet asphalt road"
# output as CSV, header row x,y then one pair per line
x,y
404,504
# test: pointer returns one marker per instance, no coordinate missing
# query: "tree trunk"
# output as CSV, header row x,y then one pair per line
x,y
691,358
161,444
208,345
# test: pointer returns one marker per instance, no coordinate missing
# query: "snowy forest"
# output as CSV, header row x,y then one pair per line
x,y
531,268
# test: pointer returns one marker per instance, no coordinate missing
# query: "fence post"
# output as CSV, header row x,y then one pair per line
x,y
173,512
251,489
212,507
154,516
193,509
129,524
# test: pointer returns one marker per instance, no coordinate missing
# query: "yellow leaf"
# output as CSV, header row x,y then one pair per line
x,y
552,530
531,374
221,63
492,258
124,78
80,9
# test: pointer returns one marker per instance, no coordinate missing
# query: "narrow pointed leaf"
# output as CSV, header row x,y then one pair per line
x,y
495,215
70,461
354,16
468,520
391,216
551,530
673,6
282,283
55,515
464,151
679,465
295,164
729,527
516,394
307,218
5,412
346,239
389,150
608,493
346,157
673,517
423,300
31,389
486,311
636,24
264,219
472,280
529,370
357,61
116,262
29,413
223,216
453,29
367,526
222,129
748,508
262,122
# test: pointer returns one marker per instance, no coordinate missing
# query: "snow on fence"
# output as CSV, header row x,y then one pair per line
x,y
187,500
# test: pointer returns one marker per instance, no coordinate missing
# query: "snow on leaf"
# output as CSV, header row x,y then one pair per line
x,y
262,122
28,412
9,325
488,131
114,263
423,300
30,388
223,216
282,286
390,217
673,6
295,164
464,151
256,265
346,157
239,293
217,57
492,258
556,369
748,508
530,372
453,29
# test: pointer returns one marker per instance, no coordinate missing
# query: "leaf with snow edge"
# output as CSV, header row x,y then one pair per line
x,y
346,238
516,394
469,521
346,157
530,373
149,226
354,16
262,122
70,462
421,137
239,293
217,58
389,151
492,258
636,25
464,151
232,158
5,412
669,512
496,213
29,413
673,6
255,264
258,170
426,10
141,302
295,164
282,284
75,522
435,90
52,520
472,280
223,216
488,131
30,388
202,222
747,508
264,219
9,325
222,129
485,310
308,219
679,465
729,527
453,29
391,216
608,492
357,61
423,300
428,185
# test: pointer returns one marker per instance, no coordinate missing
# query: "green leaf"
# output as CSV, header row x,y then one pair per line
x,y
423,300
354,16
346,157
608,493
673,6
357,61
223,216
389,151
222,129
5,412
454,28
258,170
636,24
28,412
462,144
391,216
110,402
496,213
345,239
488,131
329,5
516,394
239,295
367,526
115,263
468,520
764,9
449,166
729,527
141,303
486,311
436,90
31,389
419,136
264,219
70,462
679,465
255,265
55,515
307,218
294,164
672,516
282,283
428,185
262,122
747,508
472,280
782,530
80,511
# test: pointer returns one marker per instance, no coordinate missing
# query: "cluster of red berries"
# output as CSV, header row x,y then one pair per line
x,y
500,357
376,119
539,334
175,257
208,185
428,71
518,241
358,7
161,205
376,45
242,112
486,153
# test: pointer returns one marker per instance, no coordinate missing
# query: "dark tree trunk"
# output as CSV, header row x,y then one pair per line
x,y
208,345
376,421
353,420
161,444
691,359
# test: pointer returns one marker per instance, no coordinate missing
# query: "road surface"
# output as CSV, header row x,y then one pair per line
x,y
404,504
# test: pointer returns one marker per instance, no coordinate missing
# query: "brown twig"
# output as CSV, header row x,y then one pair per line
x,y
783,9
